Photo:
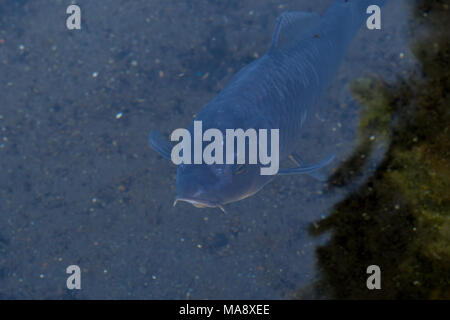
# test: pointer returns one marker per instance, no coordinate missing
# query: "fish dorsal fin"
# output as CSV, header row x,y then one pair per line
x,y
291,27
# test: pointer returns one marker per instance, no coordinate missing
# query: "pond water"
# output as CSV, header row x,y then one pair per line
x,y
79,184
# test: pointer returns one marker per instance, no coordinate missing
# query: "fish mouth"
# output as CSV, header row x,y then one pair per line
x,y
200,203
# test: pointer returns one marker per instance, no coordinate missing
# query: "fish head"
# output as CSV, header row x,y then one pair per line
x,y
218,184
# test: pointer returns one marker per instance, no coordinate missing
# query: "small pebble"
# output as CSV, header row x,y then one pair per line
x,y
142,270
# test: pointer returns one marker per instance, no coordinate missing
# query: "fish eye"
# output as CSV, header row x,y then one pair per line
x,y
240,169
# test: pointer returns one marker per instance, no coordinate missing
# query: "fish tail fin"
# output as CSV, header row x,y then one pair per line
x,y
359,8
362,4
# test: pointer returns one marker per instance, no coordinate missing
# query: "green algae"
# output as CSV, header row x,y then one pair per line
x,y
399,219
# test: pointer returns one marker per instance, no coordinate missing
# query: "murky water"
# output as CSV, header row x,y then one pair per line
x,y
80,185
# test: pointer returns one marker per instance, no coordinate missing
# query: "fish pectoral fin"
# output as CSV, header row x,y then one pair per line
x,y
159,144
292,26
306,169
298,161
